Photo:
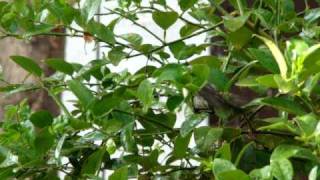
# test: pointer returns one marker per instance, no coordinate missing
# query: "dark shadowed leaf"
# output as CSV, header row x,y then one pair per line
x,y
93,163
181,145
41,119
44,141
173,102
186,4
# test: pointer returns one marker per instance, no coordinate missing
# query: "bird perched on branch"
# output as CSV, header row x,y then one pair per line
x,y
210,100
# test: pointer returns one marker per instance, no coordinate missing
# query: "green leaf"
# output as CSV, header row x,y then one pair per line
x,y
249,81
181,145
211,61
201,74
311,84
182,51
224,152
267,81
132,38
81,92
283,125
265,59
284,104
28,65
104,105
3,154
57,151
127,139
218,79
178,49
60,65
307,123
205,137
235,23
277,54
44,141
145,94
159,122
240,37
233,175
62,12
285,86
186,4
312,15
311,61
243,150
119,174
188,29
220,166
89,9
262,173
101,31
190,123
170,72
41,119
313,173
7,172
295,48
164,19
116,55
173,102
282,169
92,165
285,151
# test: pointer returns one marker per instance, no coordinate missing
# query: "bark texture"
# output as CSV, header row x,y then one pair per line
x,y
39,48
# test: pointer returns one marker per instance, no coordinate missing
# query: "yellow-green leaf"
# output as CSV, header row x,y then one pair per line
x,y
277,55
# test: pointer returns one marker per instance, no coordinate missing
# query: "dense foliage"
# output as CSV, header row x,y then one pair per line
x,y
126,121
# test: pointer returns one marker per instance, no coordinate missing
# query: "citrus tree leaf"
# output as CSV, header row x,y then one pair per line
x,y
165,19
60,65
28,64
81,92
93,163
145,94
41,119
282,64
89,8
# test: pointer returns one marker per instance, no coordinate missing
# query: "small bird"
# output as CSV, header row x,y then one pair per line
x,y
209,100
